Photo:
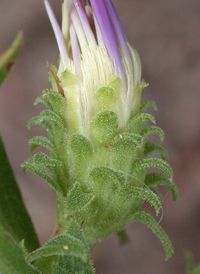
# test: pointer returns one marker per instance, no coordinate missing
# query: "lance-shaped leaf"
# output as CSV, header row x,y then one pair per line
x,y
38,165
77,200
12,260
72,265
66,264
40,141
60,245
41,159
189,259
47,115
13,215
153,130
82,151
190,267
43,100
143,165
57,101
44,123
127,142
154,179
104,126
144,216
146,104
138,121
10,56
73,229
145,194
151,147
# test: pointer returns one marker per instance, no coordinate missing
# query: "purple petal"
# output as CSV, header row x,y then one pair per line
x,y
84,19
78,27
118,28
108,33
75,49
58,34
98,33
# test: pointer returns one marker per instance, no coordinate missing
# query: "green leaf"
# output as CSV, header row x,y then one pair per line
x,y
72,265
47,115
104,126
143,165
144,216
81,147
124,150
58,269
151,147
12,260
106,96
127,142
154,179
153,130
43,100
73,229
146,104
42,160
13,214
77,199
57,101
189,259
81,151
53,101
104,180
44,174
42,142
149,196
60,245
156,192
10,56
36,120
144,194
44,123
138,121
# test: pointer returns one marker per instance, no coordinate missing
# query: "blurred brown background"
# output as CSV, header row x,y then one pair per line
x,y
167,37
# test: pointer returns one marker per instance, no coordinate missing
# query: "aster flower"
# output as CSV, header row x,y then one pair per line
x,y
99,155
94,48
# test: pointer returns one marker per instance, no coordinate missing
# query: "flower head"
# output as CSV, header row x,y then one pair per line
x,y
94,49
99,155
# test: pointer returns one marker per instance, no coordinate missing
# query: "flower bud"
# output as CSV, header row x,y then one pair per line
x,y
99,155
104,70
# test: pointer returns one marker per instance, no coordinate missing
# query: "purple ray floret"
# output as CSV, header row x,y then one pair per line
x,y
58,34
117,26
85,22
105,24
75,49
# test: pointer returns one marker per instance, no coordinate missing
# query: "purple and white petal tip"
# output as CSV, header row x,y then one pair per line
x,y
91,23
58,33
85,22
108,33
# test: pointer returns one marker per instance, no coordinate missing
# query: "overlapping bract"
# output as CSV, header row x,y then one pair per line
x,y
97,131
100,182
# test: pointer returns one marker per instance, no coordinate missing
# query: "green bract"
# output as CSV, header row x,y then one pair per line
x,y
97,138
101,180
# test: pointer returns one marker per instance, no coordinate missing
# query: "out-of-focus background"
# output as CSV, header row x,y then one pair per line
x,y
166,34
